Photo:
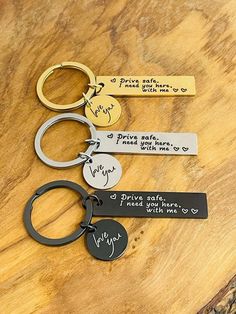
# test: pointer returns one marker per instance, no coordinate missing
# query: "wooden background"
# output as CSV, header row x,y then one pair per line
x,y
171,266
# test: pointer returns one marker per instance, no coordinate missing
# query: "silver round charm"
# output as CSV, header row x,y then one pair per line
x,y
109,240
102,171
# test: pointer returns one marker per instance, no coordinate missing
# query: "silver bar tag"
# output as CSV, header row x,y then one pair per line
x,y
147,143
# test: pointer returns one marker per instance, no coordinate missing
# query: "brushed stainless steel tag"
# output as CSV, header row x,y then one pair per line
x,y
103,172
147,85
109,241
151,204
147,143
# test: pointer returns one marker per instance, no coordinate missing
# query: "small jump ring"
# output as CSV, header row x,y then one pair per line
x,y
92,197
88,226
92,141
97,87
86,156
87,101
72,65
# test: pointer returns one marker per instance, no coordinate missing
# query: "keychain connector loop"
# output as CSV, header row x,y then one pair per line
x,y
88,226
97,87
92,197
87,100
87,157
92,141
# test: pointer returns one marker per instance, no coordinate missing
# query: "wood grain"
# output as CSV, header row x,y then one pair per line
x,y
171,266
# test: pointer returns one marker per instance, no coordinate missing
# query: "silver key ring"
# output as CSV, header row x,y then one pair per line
x,y
64,117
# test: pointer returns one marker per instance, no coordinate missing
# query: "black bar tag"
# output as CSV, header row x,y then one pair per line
x,y
151,204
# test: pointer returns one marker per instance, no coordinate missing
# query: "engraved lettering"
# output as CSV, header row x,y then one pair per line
x,y
129,83
171,211
105,111
127,139
100,169
110,241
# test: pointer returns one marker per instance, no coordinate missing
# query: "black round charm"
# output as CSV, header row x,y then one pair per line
x,y
108,241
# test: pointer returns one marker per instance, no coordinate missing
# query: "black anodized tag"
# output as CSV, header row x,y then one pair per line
x,y
151,204
109,240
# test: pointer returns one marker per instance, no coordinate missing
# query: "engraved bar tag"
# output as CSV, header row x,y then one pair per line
x,y
147,143
147,85
151,204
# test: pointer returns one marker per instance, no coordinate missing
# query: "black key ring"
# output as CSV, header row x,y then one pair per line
x,y
86,200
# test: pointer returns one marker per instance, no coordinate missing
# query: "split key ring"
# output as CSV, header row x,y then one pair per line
x,y
67,65
84,226
71,163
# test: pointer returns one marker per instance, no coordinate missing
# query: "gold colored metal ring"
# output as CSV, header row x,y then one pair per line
x,y
74,105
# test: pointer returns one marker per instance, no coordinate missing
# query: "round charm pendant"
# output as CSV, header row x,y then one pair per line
x,y
103,110
103,172
109,241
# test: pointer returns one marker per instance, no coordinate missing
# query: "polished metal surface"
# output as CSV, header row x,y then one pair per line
x,y
147,143
103,171
64,117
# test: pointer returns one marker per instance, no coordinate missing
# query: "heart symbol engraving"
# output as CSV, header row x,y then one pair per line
x,y
113,196
113,80
110,135
194,211
184,149
175,90
183,90
184,210
176,148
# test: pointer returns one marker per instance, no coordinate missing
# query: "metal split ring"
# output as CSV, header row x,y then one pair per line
x,y
63,117
72,65
84,226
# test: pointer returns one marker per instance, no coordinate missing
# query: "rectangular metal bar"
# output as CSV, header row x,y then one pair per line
x,y
151,204
147,85
147,143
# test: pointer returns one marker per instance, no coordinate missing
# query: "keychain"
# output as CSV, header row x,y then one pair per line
x,y
107,239
104,110
103,171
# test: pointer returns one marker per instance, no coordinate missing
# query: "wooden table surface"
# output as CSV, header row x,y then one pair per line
x,y
171,266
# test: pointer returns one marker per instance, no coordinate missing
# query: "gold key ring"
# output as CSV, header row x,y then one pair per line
x,y
66,65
